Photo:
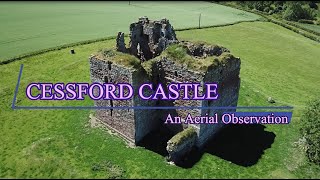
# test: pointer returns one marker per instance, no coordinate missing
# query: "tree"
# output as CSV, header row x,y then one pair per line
x,y
278,3
310,130
260,5
294,12
313,5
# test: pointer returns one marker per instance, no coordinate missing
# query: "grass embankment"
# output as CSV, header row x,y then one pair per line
x,y
275,62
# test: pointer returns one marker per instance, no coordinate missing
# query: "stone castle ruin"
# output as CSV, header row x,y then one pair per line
x,y
147,38
156,55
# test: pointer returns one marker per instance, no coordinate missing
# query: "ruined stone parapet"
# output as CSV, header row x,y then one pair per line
x,y
147,38
121,45
203,49
181,144
130,123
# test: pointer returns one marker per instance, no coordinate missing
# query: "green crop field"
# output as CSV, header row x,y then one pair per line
x,y
312,27
59,143
30,26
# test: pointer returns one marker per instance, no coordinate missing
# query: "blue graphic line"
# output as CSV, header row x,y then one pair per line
x,y
152,107
17,87
134,107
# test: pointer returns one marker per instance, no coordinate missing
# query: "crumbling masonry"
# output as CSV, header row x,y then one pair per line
x,y
148,42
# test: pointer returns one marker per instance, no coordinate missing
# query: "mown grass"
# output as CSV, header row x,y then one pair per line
x,y
284,66
30,26
58,143
312,27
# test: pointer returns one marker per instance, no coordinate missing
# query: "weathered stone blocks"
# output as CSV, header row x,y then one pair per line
x,y
150,58
181,144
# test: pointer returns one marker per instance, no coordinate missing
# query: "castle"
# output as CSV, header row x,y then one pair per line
x,y
155,55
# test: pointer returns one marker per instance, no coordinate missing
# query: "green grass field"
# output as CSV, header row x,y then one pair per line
x,y
312,27
59,144
30,26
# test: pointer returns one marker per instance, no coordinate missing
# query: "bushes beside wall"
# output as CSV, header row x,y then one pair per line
x,y
310,130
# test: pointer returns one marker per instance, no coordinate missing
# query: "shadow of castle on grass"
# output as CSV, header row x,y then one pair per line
x,y
240,144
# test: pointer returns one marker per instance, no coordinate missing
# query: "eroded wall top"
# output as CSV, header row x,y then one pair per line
x,y
147,38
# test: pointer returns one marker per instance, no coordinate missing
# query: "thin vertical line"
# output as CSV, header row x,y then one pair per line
x,y
17,88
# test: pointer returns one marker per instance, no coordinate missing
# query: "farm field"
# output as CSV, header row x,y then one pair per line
x,y
275,62
30,26
312,27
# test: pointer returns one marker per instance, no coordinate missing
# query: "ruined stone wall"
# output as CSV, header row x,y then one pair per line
x,y
134,124
135,33
147,38
122,120
166,71
181,144
146,120
177,73
227,77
